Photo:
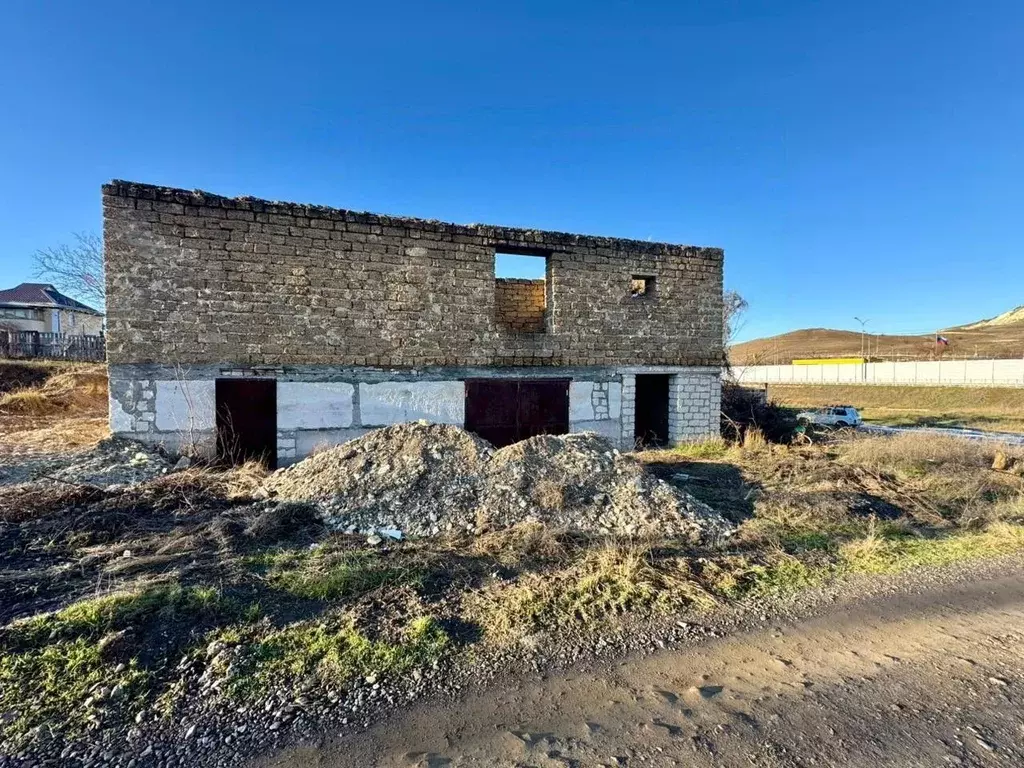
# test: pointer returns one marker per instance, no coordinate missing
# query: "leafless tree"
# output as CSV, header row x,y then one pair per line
x,y
734,307
75,268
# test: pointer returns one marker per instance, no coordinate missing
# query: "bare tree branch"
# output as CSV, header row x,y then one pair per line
x,y
733,308
75,268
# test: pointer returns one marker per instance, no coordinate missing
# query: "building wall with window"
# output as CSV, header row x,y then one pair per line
x,y
50,320
350,304
23,319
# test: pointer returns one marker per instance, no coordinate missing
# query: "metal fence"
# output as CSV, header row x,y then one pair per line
x,y
55,346
945,373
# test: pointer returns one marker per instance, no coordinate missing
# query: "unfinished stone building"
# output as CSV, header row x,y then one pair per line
x,y
256,328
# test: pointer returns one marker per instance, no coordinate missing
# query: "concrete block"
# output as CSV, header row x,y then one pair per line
x,y
581,405
614,400
392,402
314,405
184,405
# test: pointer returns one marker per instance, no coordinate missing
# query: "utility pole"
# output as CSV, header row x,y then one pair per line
x,y
862,324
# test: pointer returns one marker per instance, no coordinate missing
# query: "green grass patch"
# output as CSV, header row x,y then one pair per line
x,y
880,554
63,684
715,448
331,651
95,617
333,576
601,585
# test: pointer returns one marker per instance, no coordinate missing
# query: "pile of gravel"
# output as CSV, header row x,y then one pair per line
x,y
423,479
420,479
581,482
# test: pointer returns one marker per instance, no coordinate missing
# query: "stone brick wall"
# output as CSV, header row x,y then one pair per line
x,y
197,278
519,305
694,405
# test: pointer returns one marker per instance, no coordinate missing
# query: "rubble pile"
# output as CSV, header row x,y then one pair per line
x,y
423,479
114,462
581,482
420,479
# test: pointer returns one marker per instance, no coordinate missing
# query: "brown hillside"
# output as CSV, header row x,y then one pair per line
x,y
986,341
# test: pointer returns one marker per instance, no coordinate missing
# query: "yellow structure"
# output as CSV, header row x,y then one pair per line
x,y
831,361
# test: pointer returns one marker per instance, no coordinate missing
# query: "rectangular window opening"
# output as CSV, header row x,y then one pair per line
x,y
642,286
521,291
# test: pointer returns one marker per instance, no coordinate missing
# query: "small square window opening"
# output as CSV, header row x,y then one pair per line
x,y
641,286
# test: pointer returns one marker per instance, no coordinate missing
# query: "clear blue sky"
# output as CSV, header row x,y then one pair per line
x,y
853,158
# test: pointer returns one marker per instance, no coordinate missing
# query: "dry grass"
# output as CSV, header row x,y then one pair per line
x,y
65,413
916,453
54,436
526,542
78,389
196,484
591,589
29,401
995,408
875,553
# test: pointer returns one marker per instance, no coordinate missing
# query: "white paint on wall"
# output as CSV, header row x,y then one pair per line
x,y
185,405
314,405
392,402
581,404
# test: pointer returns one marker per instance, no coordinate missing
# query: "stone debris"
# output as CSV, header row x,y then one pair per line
x,y
420,479
114,462
581,482
423,479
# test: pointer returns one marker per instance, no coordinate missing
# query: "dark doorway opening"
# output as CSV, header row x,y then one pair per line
x,y
651,411
505,411
247,421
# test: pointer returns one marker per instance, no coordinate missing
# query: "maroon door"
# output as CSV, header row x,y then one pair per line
x,y
505,411
247,420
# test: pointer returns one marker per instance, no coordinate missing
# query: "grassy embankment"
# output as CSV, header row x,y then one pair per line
x,y
994,408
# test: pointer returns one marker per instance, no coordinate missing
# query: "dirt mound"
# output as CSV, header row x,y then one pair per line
x,y
582,482
22,375
423,479
417,478
79,389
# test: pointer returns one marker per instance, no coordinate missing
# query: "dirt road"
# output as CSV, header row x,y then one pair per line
x,y
926,679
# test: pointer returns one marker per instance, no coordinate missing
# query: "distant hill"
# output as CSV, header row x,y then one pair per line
x,y
998,337
1012,317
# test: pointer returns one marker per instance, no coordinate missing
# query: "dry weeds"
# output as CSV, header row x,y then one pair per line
x,y
66,412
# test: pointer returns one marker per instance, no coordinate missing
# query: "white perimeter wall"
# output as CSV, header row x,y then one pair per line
x,y
959,373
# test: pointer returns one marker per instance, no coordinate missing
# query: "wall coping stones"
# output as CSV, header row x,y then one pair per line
x,y
540,240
